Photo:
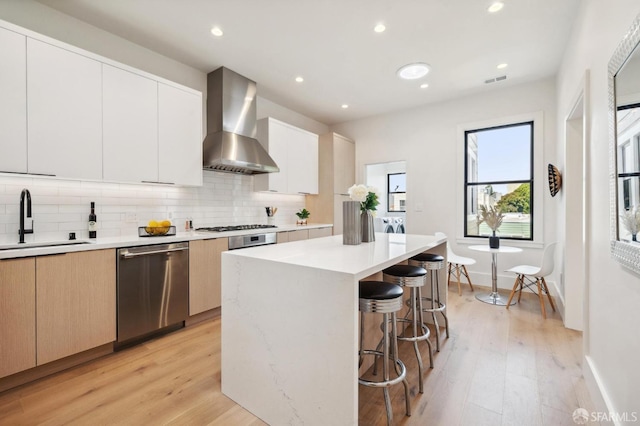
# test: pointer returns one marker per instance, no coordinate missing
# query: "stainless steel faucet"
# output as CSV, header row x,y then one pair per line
x,y
22,231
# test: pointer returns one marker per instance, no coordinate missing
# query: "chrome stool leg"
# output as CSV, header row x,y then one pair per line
x,y
413,327
387,300
433,263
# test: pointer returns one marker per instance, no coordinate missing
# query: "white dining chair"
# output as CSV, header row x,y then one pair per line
x,y
457,265
528,275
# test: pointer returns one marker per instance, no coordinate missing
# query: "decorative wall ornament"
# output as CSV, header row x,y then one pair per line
x,y
555,180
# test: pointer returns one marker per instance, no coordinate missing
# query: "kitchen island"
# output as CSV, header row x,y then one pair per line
x,y
290,324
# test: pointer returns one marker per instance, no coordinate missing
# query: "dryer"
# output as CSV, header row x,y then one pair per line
x,y
384,224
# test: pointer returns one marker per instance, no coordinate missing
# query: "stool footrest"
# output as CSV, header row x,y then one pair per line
x,y
383,383
424,336
441,306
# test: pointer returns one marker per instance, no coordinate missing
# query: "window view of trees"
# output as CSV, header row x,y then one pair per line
x,y
518,201
499,173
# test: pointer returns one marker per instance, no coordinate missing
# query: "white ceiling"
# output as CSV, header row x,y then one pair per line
x,y
331,43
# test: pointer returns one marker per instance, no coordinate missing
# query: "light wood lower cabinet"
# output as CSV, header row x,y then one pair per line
x,y
320,232
205,279
17,315
288,236
76,303
303,234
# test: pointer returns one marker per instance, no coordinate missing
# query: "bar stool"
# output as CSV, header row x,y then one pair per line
x,y
433,263
386,299
413,277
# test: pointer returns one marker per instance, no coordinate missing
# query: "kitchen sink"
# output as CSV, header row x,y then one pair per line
x,y
17,246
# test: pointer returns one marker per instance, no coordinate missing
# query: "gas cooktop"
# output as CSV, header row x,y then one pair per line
x,y
234,228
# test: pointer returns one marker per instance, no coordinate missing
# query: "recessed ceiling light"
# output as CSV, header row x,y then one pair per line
x,y
345,106
216,31
495,7
424,86
413,71
502,66
379,28
299,79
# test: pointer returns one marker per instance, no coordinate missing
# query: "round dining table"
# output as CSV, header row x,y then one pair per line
x,y
494,298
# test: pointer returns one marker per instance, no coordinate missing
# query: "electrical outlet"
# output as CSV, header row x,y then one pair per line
x,y
170,215
131,217
419,207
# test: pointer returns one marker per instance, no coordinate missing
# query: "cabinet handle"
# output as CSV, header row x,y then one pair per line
x,y
146,253
304,193
272,190
157,182
27,173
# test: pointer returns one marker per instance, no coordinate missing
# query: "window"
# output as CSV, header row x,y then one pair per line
x,y
629,156
397,192
499,173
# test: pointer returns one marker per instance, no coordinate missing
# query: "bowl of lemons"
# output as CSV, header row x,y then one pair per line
x,y
157,228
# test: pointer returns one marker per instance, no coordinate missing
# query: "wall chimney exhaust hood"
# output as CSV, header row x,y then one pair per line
x,y
231,145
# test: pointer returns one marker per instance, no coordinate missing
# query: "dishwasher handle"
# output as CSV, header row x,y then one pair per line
x,y
146,253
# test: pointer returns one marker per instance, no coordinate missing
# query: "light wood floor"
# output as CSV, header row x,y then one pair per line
x,y
498,367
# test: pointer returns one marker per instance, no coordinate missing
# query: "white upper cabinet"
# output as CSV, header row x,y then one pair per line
x,y
70,113
302,162
130,126
179,136
64,101
344,160
13,102
295,151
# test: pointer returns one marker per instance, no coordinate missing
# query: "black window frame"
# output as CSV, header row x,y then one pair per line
x,y
483,184
626,177
389,192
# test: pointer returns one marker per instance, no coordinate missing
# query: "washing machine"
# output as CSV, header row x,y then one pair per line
x,y
384,224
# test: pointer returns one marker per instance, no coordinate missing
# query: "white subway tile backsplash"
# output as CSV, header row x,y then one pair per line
x,y
62,206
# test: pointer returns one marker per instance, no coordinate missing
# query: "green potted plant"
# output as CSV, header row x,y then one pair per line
x,y
492,216
302,217
367,196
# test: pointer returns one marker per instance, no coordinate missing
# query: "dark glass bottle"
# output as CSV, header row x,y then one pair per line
x,y
93,227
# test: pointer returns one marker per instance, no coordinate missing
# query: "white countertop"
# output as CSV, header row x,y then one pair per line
x,y
133,240
330,254
291,319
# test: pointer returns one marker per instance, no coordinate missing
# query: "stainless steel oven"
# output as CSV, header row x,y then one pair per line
x,y
244,241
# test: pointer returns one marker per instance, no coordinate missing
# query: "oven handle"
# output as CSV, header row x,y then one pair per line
x,y
146,253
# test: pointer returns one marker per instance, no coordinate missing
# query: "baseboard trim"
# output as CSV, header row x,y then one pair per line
x,y
597,391
53,367
203,316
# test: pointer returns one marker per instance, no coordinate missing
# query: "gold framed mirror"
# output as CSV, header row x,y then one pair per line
x,y
624,149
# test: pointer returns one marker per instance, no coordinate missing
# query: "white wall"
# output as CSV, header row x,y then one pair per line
x,y
427,139
613,293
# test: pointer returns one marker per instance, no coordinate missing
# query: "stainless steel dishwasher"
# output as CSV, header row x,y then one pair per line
x,y
153,290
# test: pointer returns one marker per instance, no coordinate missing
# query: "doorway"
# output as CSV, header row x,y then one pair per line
x,y
573,280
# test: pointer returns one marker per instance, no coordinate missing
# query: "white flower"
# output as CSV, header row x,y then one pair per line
x,y
358,193
374,190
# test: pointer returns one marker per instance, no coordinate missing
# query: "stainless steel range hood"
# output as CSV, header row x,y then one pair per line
x,y
230,145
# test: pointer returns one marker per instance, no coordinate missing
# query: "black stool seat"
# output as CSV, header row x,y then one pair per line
x,y
405,271
428,257
379,290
